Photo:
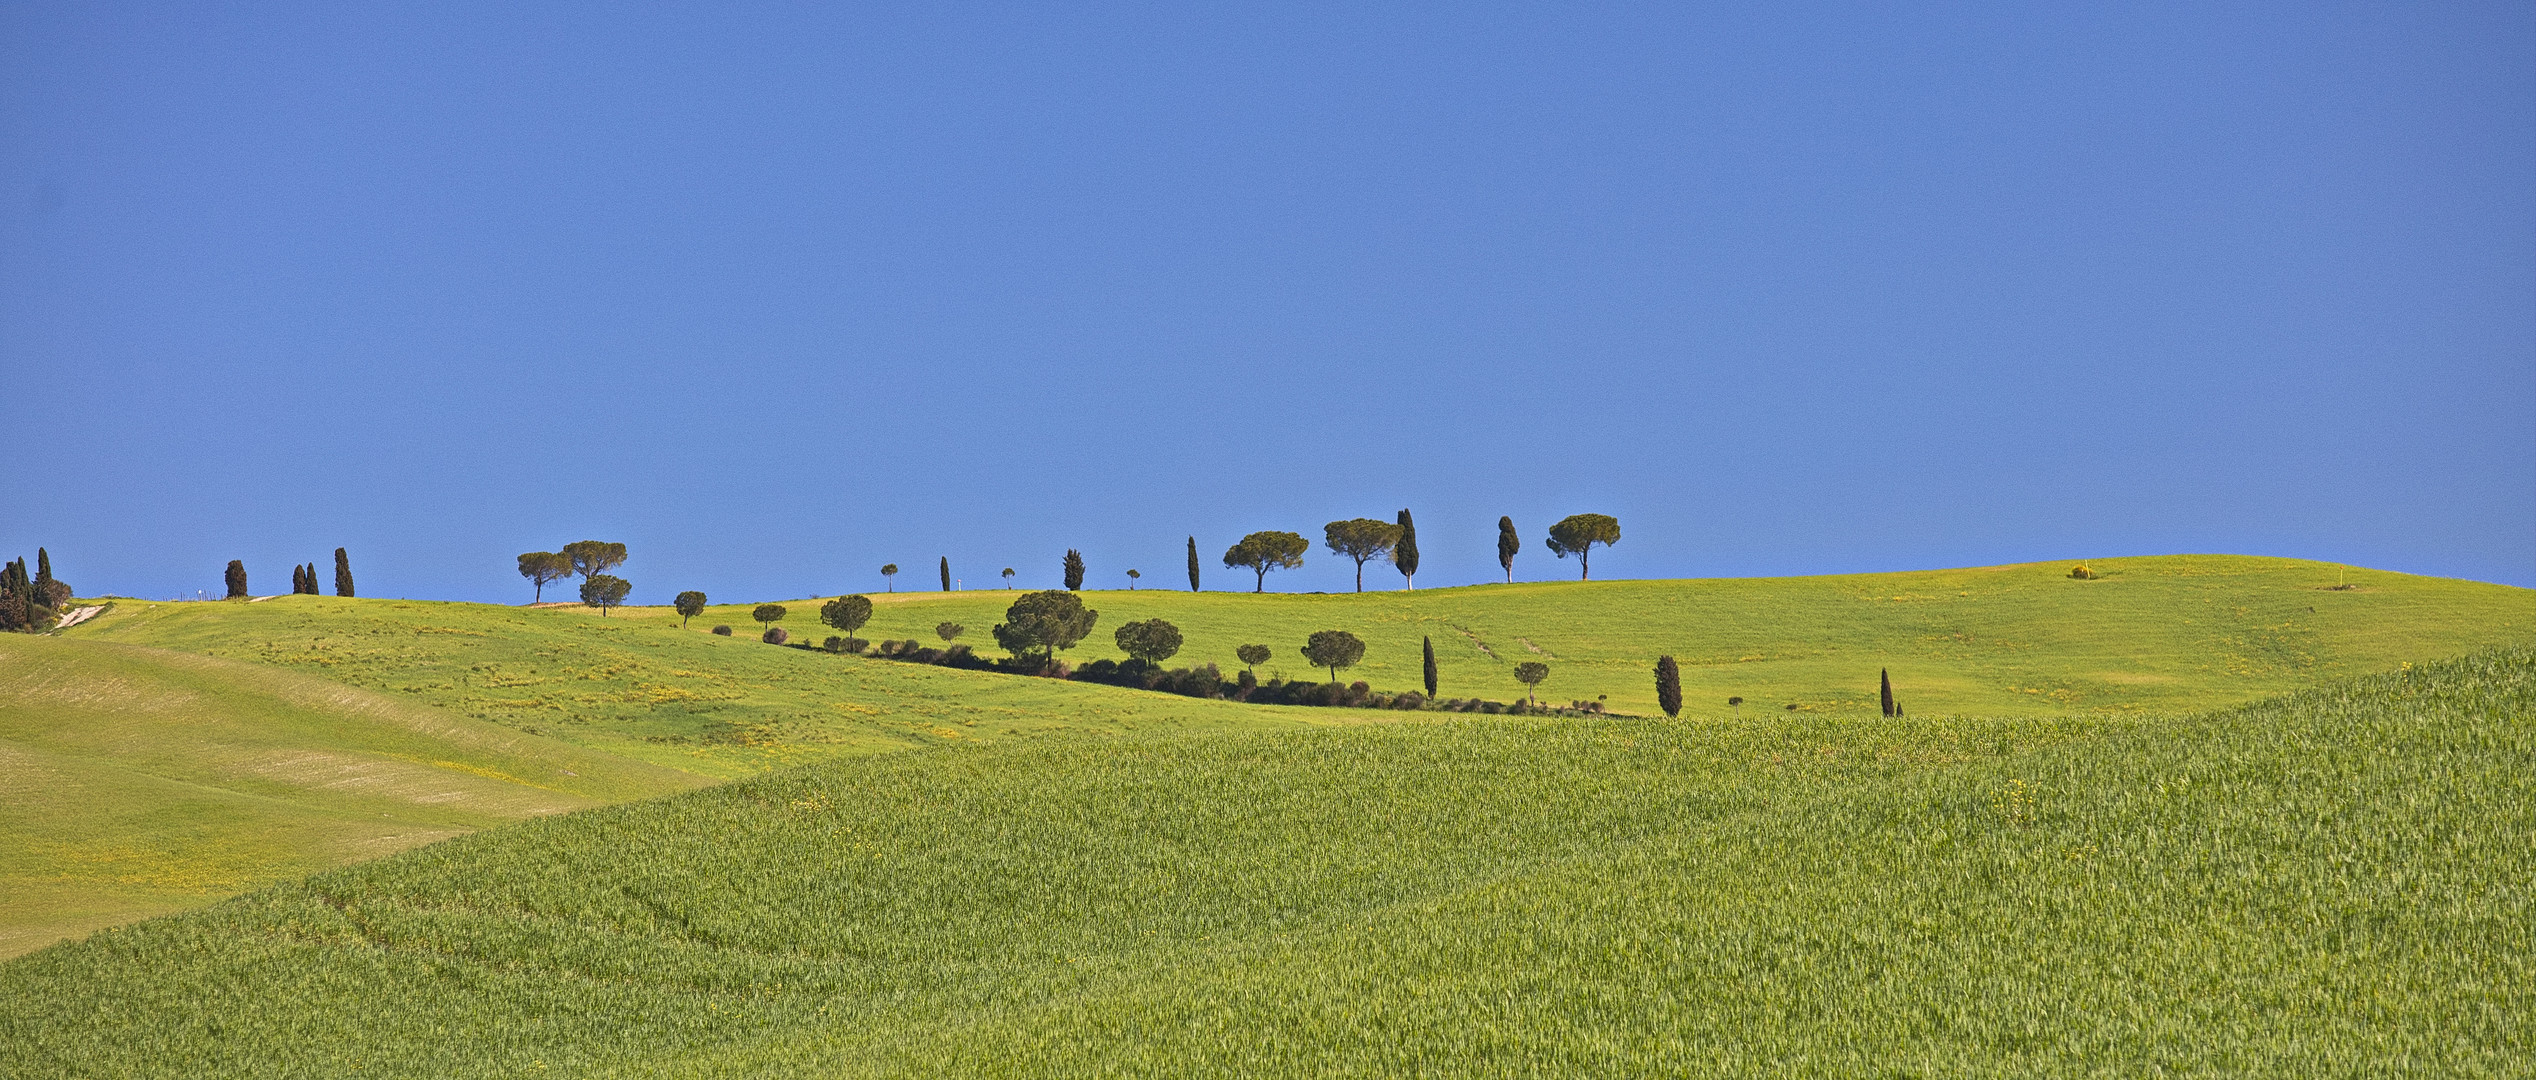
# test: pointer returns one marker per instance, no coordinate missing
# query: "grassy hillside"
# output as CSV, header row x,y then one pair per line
x,y
138,781
2336,882
636,687
2168,633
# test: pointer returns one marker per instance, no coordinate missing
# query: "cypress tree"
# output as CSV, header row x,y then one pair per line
x,y
1887,678
1507,544
235,578
1073,570
1430,667
1193,564
946,573
1405,553
312,580
43,570
300,576
1668,685
343,573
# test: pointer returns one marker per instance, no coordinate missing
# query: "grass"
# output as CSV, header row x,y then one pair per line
x,y
2170,633
137,781
2332,882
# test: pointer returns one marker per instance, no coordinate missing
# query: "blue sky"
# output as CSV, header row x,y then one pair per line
x,y
776,294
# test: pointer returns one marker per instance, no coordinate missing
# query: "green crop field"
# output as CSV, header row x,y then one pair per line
x,y
137,781
2154,635
2335,882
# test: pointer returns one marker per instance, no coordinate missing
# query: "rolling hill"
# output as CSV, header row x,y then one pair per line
x,y
136,781
2332,882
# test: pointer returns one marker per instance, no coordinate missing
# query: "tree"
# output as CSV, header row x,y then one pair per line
x,y
1578,533
588,557
1073,570
1404,555
1252,656
1735,703
1333,649
604,591
946,573
889,574
1885,677
343,572
1132,575
689,604
847,613
1430,666
1266,551
1193,564
540,567
1361,539
1531,673
1008,577
236,578
1152,641
1507,544
948,631
299,580
46,590
768,615
1044,622
1668,685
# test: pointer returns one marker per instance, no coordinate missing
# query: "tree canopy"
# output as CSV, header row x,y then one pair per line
x,y
948,631
235,578
590,557
1152,641
1265,551
1333,649
1253,655
1361,539
769,613
1668,686
1073,570
1193,564
1044,622
847,613
543,567
1507,544
1404,555
689,604
343,574
1531,673
889,574
604,591
1578,533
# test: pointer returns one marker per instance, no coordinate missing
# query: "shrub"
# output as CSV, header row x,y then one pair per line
x,y
2081,572
1409,700
722,630
948,631
776,635
834,644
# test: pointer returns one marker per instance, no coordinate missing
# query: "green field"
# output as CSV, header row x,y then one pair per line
x,y
137,781
2166,633
2333,883
2155,635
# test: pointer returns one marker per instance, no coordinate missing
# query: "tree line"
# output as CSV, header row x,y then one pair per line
x,y
233,578
31,603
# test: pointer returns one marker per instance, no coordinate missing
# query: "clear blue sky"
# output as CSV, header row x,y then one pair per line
x,y
775,294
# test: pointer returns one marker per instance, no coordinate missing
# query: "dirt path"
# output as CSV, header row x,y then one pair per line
x,y
77,617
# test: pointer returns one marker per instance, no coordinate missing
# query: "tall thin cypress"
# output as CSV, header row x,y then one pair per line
x,y
343,573
1887,678
1193,564
1073,570
43,571
1405,553
299,580
235,578
1507,544
946,573
1668,685
1430,666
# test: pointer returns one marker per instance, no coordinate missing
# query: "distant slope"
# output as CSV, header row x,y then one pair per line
x,y
2175,632
137,781
725,706
2332,883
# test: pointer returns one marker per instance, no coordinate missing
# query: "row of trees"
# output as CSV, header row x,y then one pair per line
x,y
1367,539
303,577
31,602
